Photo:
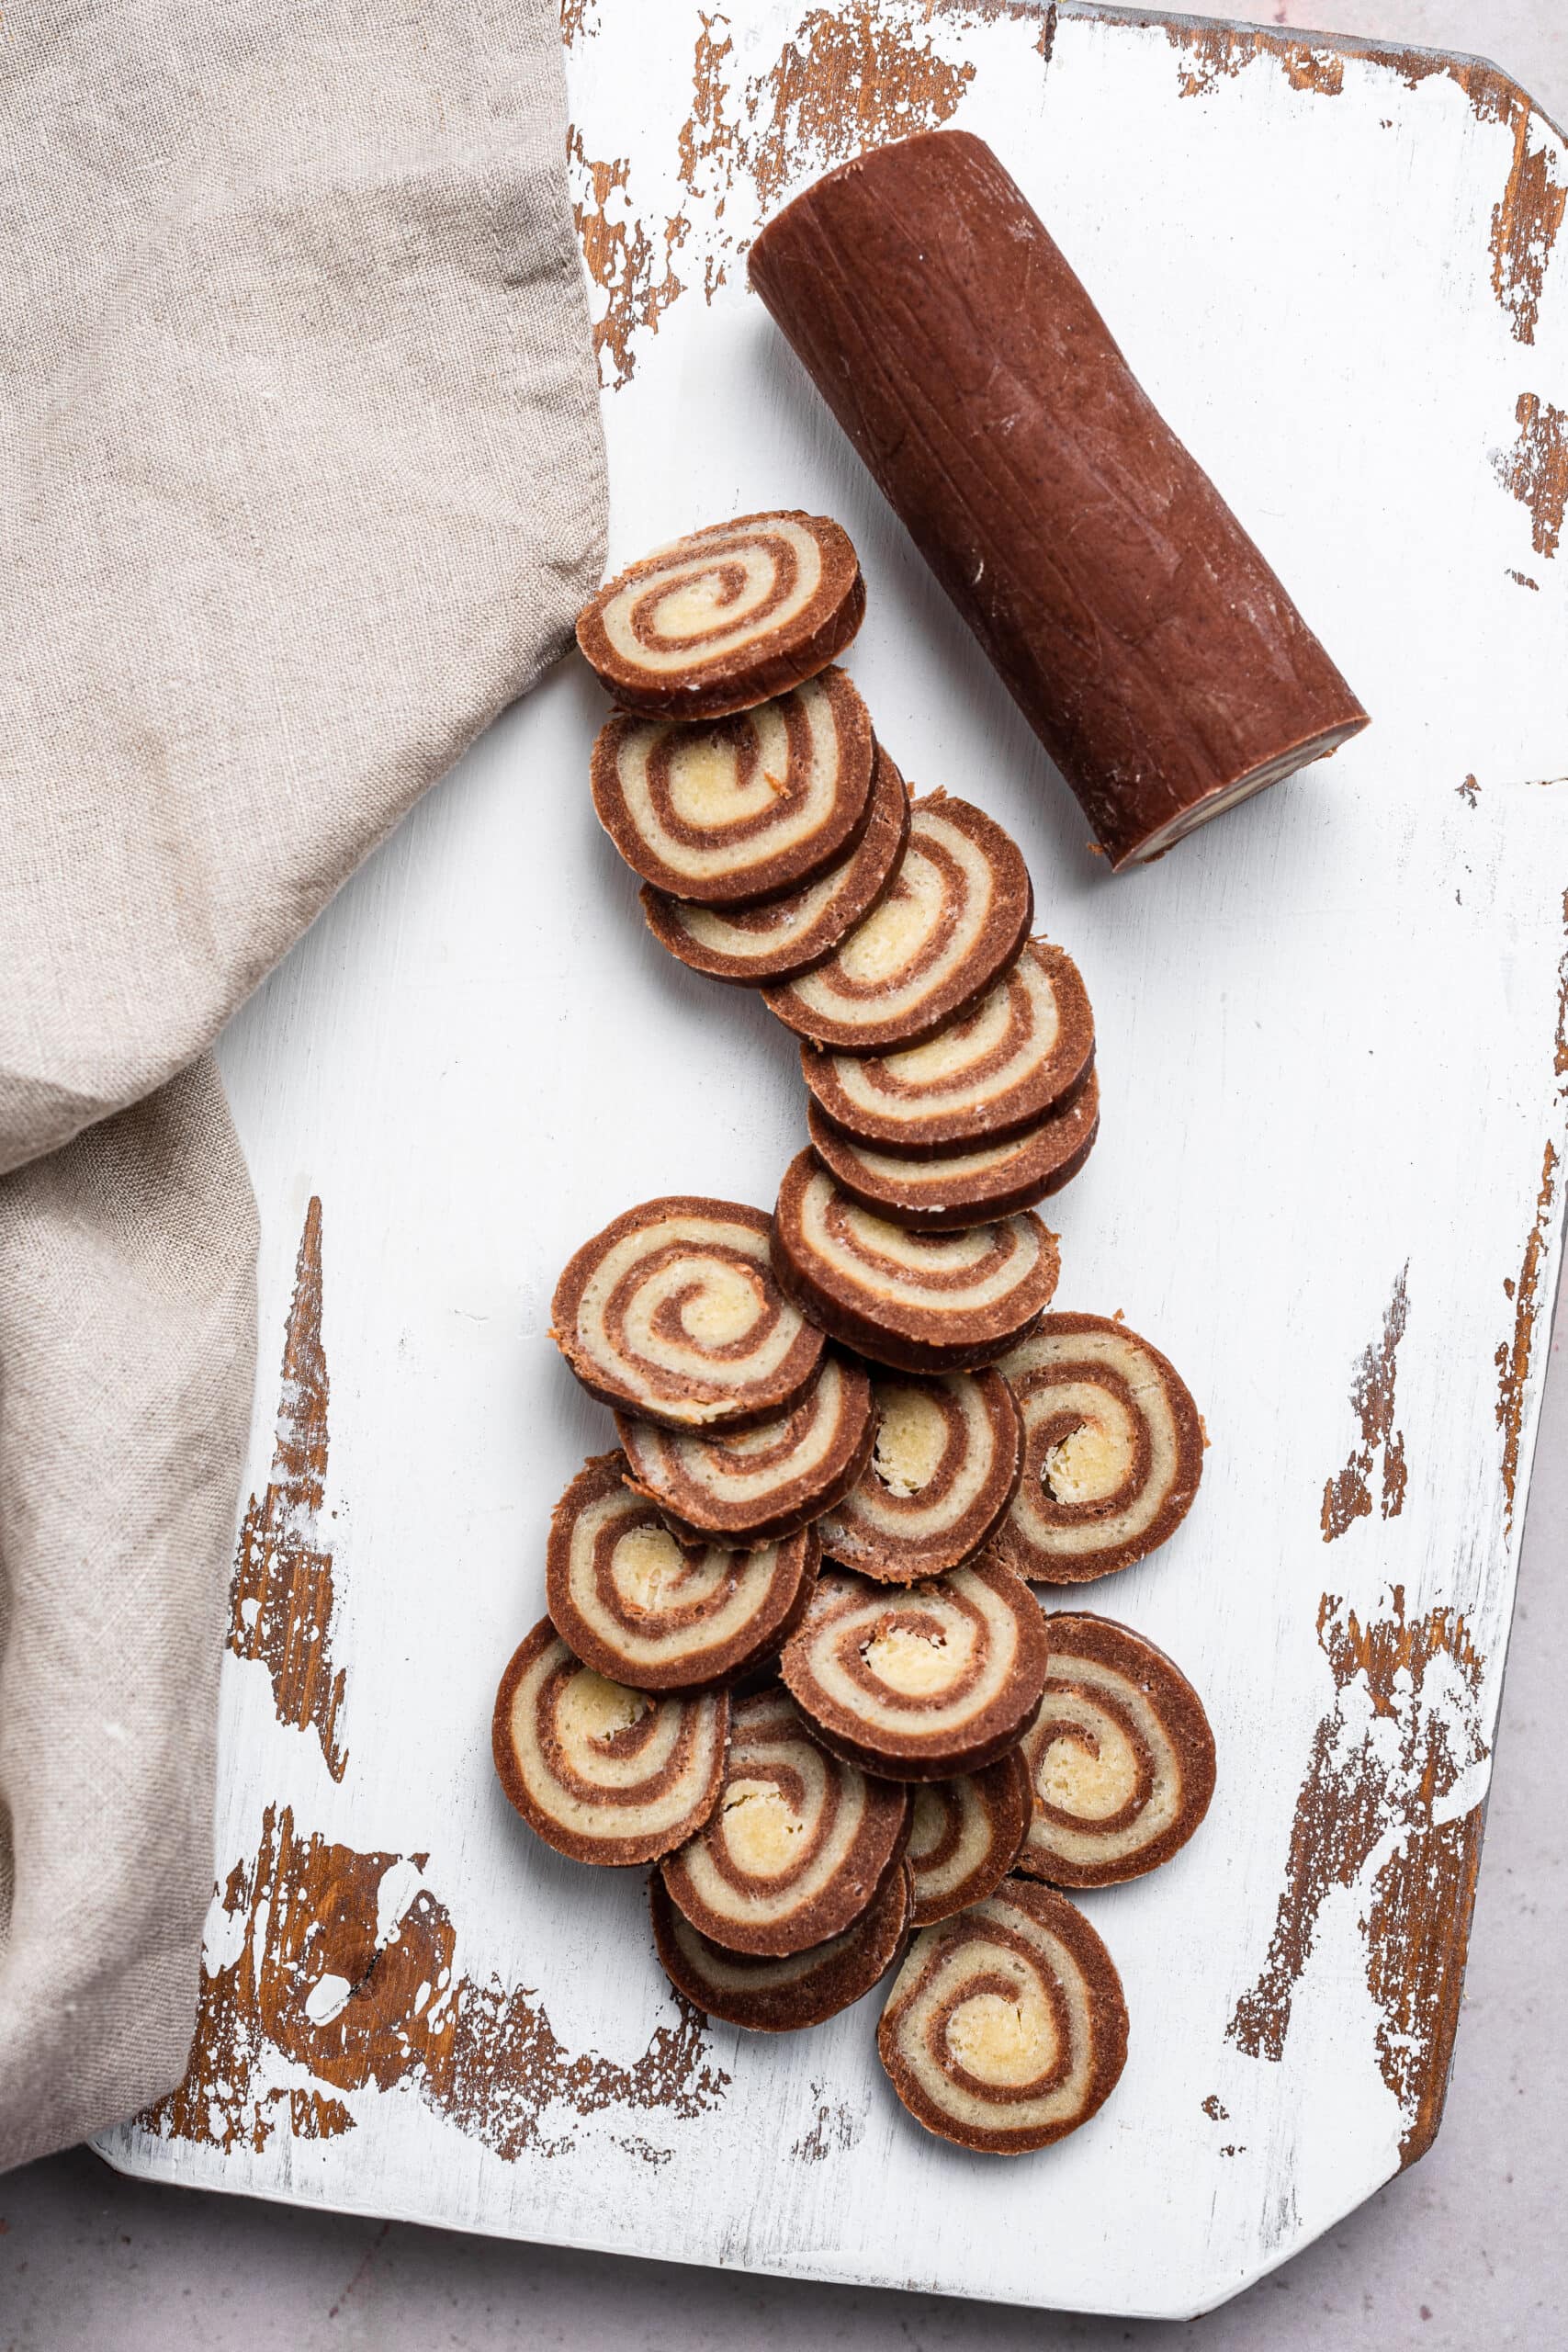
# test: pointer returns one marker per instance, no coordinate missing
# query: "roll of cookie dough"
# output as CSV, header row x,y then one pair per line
x,y
1007,2026
761,1482
783,1996
1113,1450
920,1302
797,1844
942,1195
920,1684
731,810
945,1460
602,1773
672,1313
1138,628
994,1072
726,617
955,920
749,946
1121,1757
641,1610
965,1834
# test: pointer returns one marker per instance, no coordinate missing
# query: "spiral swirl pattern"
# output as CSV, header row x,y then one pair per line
x,y
937,1679
766,1481
989,1074
942,1470
726,616
799,1843
783,1996
1121,1758
1113,1450
957,914
920,1301
1005,2028
783,938
964,1835
943,1192
672,1313
639,1609
603,1773
733,809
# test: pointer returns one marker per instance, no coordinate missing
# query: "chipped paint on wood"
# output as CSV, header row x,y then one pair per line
x,y
632,266
836,2127
1386,1777
1347,1495
851,78
342,1967
1514,1353
1536,472
1212,52
281,1599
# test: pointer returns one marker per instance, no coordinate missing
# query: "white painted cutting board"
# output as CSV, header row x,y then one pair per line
x,y
1333,1059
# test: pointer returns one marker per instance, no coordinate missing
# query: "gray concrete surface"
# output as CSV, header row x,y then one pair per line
x,y
1468,2249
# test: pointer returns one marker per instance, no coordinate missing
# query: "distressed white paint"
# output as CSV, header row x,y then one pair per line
x,y
1326,1050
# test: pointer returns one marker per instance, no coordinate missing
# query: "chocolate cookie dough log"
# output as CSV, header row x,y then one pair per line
x,y
945,1460
918,1684
943,1194
731,810
672,1313
1007,2026
995,1072
783,938
920,1302
1141,632
955,918
1113,1450
964,1834
769,1480
804,1988
799,1843
640,1609
602,1773
1121,1757
726,617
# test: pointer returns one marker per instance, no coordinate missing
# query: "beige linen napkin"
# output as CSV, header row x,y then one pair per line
x,y
302,481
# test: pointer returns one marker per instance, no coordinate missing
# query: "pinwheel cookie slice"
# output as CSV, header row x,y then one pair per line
x,y
989,1073
918,1684
804,1988
768,1480
640,1609
954,918
1113,1450
942,1193
942,1470
749,946
965,1833
602,1773
1007,2026
726,616
799,1843
920,1302
1121,1757
734,809
672,1313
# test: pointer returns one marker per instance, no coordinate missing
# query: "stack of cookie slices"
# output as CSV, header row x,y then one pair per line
x,y
792,1658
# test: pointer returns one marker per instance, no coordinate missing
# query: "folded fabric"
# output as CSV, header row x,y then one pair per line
x,y
303,481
